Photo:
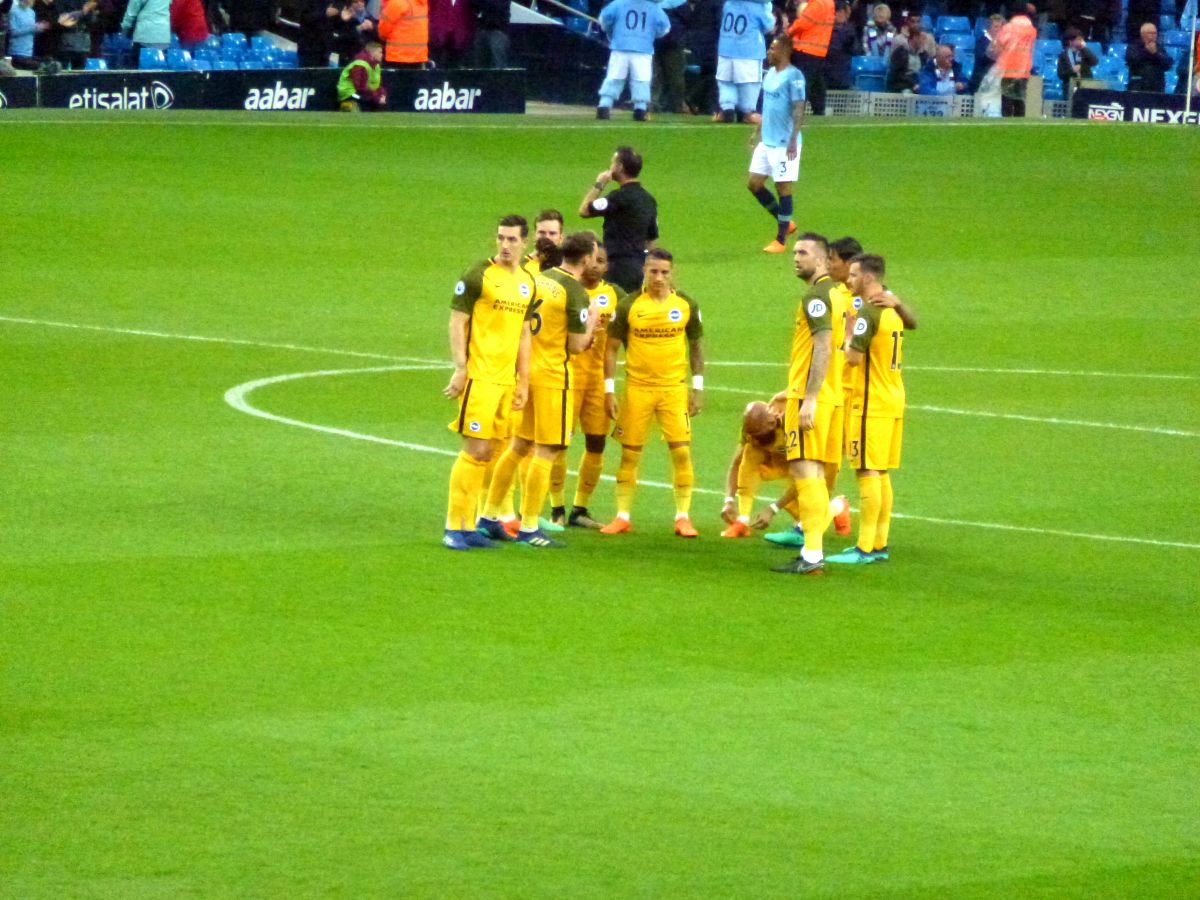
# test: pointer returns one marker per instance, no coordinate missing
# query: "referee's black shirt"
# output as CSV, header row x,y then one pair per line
x,y
630,220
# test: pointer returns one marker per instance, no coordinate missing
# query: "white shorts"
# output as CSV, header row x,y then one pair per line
x,y
636,66
774,163
739,71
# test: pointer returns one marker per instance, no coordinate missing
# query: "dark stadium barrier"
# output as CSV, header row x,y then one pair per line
x,y
312,90
1121,106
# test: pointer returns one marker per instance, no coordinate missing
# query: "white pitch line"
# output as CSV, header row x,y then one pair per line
x,y
236,397
1018,417
199,338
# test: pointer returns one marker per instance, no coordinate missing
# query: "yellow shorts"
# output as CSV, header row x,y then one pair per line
x,y
821,443
544,418
589,409
880,437
484,411
639,405
837,436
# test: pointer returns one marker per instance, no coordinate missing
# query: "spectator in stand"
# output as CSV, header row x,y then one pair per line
x,y
810,33
1075,62
404,29
740,54
361,85
702,41
1141,11
879,37
843,44
148,23
250,17
908,58
667,88
312,44
985,52
1015,60
22,26
491,33
451,33
942,76
350,27
1148,62
74,22
189,23
914,35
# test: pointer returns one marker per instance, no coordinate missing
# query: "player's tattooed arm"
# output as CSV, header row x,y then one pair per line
x,y
821,351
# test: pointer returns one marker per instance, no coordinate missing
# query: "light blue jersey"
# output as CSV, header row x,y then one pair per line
x,y
633,25
743,25
780,91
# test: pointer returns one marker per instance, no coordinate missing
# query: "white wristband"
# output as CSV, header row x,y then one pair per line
x,y
697,382
774,507
610,385
730,500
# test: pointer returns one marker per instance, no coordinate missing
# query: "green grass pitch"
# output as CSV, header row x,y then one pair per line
x,y
237,663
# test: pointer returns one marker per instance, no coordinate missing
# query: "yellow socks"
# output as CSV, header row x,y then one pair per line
x,y
500,492
869,492
627,480
589,476
885,511
681,466
466,484
813,499
533,491
558,479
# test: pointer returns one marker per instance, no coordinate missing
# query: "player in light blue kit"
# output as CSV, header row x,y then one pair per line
x,y
740,52
632,27
777,151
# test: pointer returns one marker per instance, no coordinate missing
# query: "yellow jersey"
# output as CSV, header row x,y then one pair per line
x,y
878,384
560,309
813,316
848,370
498,303
656,334
588,366
833,390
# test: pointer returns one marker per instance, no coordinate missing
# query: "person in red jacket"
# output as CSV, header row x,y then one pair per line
x,y
189,23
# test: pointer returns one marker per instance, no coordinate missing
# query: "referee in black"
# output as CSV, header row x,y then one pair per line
x,y
630,218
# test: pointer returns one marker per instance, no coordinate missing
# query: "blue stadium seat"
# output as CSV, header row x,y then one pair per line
x,y
953,25
1095,47
1116,51
261,42
179,60
960,42
1045,48
1176,39
202,65
291,57
875,82
872,64
224,65
233,39
1052,89
92,64
214,41
926,23
206,53
1049,32
174,40
150,58
1165,24
1172,80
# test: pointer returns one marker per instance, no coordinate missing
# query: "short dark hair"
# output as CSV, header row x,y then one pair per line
x,y
870,262
1070,34
818,239
846,248
631,162
660,253
549,215
549,254
514,221
578,245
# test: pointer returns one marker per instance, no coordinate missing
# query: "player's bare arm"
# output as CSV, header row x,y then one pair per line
x,y
766,515
696,357
793,146
729,510
610,377
458,353
891,301
524,354
821,352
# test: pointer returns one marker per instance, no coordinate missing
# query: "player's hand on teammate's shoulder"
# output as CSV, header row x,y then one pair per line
x,y
887,298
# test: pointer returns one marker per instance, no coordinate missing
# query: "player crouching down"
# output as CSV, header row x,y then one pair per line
x,y
361,85
761,456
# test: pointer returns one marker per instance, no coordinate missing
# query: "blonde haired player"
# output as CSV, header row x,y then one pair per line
x,y
660,329
490,345
877,409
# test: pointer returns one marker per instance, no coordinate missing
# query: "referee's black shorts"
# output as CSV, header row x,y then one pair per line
x,y
626,272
